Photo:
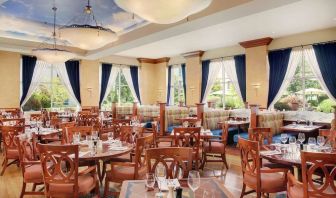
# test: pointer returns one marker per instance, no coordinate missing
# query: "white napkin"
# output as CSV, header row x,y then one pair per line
x,y
163,185
117,148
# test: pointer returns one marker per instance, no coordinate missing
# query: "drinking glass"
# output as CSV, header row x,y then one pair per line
x,y
75,139
178,172
110,136
94,135
160,174
150,180
292,140
88,138
320,140
194,180
301,138
48,124
311,141
283,138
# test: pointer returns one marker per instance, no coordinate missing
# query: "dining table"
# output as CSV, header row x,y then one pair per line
x,y
213,186
308,130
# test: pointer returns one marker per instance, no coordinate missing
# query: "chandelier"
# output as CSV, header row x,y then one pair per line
x,y
85,33
52,54
163,11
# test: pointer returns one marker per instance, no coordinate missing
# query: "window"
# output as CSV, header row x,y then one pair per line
x,y
120,92
176,89
304,91
50,93
223,93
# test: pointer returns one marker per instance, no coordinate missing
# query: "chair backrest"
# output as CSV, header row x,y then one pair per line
x,y
126,134
55,122
177,160
12,121
330,136
326,163
260,134
89,120
82,130
8,135
56,156
188,137
53,114
250,158
117,123
191,122
36,117
64,126
26,150
142,144
225,133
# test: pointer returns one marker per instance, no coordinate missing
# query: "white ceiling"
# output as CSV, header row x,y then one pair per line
x,y
257,19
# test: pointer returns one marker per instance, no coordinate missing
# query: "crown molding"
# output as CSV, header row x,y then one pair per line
x,y
198,53
153,61
256,42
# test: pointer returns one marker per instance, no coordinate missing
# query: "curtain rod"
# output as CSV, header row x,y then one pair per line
x,y
332,41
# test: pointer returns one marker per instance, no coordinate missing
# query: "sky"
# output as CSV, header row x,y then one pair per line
x,y
32,19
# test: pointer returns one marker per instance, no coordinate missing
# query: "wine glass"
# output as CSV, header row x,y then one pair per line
x,y
311,143
160,174
292,140
47,123
178,172
94,135
283,138
150,180
110,136
301,138
194,180
320,140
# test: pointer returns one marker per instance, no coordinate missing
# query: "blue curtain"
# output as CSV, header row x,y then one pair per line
x,y
183,65
72,68
28,66
169,83
278,63
326,58
105,75
205,76
240,63
135,80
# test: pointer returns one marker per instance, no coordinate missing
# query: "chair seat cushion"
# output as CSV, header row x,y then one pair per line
x,y
121,173
12,154
270,182
216,147
85,184
33,174
242,135
148,125
170,128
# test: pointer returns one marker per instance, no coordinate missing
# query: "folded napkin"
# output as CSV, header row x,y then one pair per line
x,y
272,152
117,148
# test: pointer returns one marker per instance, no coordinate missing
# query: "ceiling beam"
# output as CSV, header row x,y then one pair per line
x,y
256,42
153,61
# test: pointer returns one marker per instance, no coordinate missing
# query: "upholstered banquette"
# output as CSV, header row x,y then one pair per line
x,y
172,117
146,113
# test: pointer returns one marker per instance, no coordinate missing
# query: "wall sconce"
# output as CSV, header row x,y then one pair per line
x,y
89,89
256,87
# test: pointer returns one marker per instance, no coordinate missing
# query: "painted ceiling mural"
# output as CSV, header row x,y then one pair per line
x,y
32,19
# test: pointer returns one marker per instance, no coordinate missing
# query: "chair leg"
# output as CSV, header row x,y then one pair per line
x,y
258,194
104,170
34,187
243,191
4,167
100,177
204,159
23,190
106,188
224,160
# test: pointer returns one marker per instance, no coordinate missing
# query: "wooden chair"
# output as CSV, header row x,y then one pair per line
x,y
30,166
260,134
312,162
117,123
177,160
191,122
66,181
11,151
330,136
63,126
36,117
260,180
12,122
53,114
216,146
82,130
121,171
158,139
89,120
189,137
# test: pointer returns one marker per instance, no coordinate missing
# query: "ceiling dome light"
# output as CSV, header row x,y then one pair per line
x,y
54,54
163,11
85,33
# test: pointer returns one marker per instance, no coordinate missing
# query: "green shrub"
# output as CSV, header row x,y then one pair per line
x,y
326,106
282,106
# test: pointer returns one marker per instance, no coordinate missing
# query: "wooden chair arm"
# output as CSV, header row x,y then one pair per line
x,y
26,163
88,170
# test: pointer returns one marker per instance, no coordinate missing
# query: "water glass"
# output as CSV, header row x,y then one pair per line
x,y
88,138
194,180
48,124
94,135
160,174
284,138
311,144
301,138
292,140
110,136
150,180
75,139
320,140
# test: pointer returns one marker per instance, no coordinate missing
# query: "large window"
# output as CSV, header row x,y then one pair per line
x,y
120,93
176,91
50,93
304,91
223,93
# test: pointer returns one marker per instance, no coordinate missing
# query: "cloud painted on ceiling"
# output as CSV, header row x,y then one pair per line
x,y
32,19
